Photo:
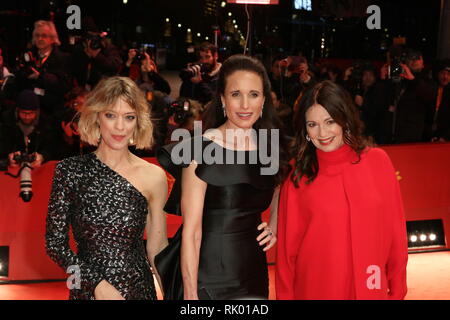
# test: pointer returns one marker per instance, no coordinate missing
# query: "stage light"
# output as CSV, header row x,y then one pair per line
x,y
167,20
199,34
426,235
236,26
125,1
179,25
188,30
4,261
223,4
234,21
230,14
206,38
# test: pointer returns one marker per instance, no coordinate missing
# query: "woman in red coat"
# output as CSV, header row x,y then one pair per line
x,y
341,227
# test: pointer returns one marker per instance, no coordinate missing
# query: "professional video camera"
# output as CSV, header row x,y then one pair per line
x,y
193,68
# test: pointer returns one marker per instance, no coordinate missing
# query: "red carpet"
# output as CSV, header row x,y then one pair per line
x,y
428,279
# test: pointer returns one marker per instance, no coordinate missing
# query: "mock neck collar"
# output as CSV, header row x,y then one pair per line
x,y
343,154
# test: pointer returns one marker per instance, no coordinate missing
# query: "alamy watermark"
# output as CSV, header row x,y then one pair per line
x,y
374,280
184,153
74,280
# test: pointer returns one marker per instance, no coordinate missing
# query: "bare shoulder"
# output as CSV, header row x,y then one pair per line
x,y
150,172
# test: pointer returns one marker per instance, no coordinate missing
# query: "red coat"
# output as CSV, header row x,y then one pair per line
x,y
344,235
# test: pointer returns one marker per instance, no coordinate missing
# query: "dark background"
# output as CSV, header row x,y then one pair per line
x,y
275,28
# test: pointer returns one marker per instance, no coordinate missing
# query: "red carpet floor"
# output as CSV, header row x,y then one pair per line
x,y
428,279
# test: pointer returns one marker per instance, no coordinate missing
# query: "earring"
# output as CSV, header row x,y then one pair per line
x,y
347,132
131,141
261,112
99,139
224,111
308,138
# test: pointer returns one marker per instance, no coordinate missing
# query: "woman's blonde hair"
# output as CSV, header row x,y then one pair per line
x,y
107,92
51,26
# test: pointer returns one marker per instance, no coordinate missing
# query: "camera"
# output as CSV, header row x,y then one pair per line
x,y
26,61
192,69
25,160
95,40
180,109
395,69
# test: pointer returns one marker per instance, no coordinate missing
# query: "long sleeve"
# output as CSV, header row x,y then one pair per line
x,y
57,231
398,254
288,242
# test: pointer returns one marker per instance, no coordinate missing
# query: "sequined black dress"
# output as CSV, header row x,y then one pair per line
x,y
232,265
107,215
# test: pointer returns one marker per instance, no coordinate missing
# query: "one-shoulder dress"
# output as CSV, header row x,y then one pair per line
x,y
107,215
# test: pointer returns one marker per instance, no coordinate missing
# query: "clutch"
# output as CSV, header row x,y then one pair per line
x,y
168,265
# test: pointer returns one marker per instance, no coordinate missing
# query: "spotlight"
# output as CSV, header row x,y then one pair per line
x,y
167,20
4,261
426,235
179,25
230,14
223,4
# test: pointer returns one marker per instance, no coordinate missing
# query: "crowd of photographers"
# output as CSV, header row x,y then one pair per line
x,y
399,102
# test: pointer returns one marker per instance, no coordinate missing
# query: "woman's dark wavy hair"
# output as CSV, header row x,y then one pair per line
x,y
213,116
339,104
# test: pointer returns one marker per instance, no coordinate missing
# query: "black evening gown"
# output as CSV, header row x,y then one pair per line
x,y
107,215
232,265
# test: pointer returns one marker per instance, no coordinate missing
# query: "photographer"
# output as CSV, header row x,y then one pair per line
x,y
149,79
200,78
415,102
94,58
440,130
28,136
70,143
43,69
296,78
7,85
371,96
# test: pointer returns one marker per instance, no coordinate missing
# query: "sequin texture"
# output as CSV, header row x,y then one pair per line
x,y
107,215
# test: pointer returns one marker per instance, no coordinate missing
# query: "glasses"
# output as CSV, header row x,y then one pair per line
x,y
42,35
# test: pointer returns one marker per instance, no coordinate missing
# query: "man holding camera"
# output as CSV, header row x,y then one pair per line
x,y
94,58
148,78
27,137
415,104
200,78
43,69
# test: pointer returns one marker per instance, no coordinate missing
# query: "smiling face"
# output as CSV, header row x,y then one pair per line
x,y
243,99
325,133
117,125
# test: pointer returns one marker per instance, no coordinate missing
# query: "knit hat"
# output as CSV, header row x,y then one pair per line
x,y
28,100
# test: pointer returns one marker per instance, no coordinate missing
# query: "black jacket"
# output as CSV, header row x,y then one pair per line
x,y
106,64
54,79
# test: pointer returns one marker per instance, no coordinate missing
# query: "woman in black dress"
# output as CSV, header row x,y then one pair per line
x,y
108,198
221,201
